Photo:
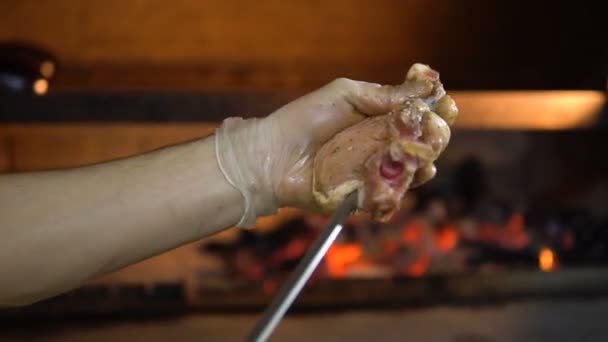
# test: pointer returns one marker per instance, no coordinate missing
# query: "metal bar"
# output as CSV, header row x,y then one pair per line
x,y
290,290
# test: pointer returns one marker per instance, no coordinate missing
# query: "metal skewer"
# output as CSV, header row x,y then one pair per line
x,y
292,287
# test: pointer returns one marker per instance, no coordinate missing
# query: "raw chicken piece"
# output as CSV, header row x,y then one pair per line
x,y
383,156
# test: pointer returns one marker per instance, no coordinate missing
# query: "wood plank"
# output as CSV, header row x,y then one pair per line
x,y
42,147
275,31
545,110
227,43
256,77
5,153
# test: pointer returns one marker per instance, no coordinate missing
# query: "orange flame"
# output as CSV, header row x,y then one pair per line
x,y
338,258
516,232
419,267
446,238
390,247
412,233
546,260
295,248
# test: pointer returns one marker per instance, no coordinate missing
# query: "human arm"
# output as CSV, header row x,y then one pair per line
x,y
61,228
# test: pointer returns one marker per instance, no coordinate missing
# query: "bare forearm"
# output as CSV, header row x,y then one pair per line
x,y
61,228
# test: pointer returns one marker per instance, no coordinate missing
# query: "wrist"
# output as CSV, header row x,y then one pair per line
x,y
243,152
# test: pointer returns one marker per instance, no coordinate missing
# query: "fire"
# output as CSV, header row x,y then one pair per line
x,y
340,257
447,238
295,249
419,267
546,260
412,233
516,231
513,235
390,247
411,246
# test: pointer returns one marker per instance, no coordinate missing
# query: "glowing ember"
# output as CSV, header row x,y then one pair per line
x,y
340,257
294,249
419,267
412,233
270,287
413,245
546,260
446,239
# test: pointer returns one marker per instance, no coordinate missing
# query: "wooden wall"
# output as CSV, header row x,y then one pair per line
x,y
220,31
304,43
230,41
5,154
43,147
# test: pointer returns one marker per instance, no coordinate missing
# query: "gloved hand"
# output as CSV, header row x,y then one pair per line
x,y
270,160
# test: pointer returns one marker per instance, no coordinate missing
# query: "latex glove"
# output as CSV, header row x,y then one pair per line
x,y
270,160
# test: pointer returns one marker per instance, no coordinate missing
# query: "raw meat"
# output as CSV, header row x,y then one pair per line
x,y
383,156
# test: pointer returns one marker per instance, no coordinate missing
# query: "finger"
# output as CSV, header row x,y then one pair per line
x,y
421,72
447,109
424,175
436,133
374,99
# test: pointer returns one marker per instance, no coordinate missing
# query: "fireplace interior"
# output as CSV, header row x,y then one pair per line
x,y
508,243
515,216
